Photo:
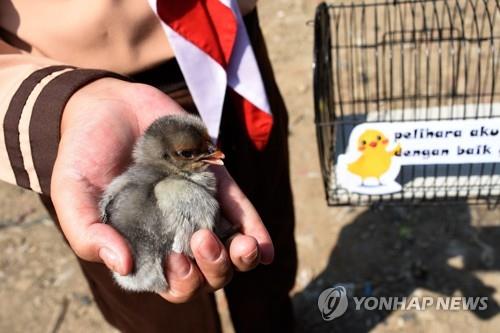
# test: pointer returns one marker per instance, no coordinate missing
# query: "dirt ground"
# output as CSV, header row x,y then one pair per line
x,y
394,251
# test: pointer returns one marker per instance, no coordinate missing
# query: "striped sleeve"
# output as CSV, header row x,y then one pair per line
x,y
33,94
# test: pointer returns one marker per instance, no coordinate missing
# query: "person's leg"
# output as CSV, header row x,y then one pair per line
x,y
259,300
145,312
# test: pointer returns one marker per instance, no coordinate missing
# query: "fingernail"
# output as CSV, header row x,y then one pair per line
x,y
250,258
178,265
209,248
110,259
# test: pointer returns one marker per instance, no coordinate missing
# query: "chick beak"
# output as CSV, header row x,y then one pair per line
x,y
373,144
214,158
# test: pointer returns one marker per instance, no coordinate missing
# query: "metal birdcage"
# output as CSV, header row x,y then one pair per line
x,y
401,62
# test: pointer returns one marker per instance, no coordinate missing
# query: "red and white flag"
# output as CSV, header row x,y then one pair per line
x,y
213,50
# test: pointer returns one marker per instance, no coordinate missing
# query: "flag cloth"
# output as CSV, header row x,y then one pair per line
x,y
212,47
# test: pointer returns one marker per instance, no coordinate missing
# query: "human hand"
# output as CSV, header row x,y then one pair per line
x,y
100,125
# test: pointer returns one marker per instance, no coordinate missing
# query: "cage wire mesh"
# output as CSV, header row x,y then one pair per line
x,y
403,61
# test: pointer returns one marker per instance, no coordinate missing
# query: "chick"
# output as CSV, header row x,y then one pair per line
x,y
164,197
375,160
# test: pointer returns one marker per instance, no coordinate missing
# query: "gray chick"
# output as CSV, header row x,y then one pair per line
x,y
164,197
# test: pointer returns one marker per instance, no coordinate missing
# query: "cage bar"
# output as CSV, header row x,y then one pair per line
x,y
398,61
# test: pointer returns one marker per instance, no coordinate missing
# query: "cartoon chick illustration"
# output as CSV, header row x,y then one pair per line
x,y
375,160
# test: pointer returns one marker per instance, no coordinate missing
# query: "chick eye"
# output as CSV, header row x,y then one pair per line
x,y
379,137
363,142
186,153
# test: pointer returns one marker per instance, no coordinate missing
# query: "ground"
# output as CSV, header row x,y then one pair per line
x,y
394,251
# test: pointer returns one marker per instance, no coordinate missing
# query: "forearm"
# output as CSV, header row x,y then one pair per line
x,y
33,93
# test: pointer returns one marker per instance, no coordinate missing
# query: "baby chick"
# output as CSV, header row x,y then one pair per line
x,y
164,197
375,160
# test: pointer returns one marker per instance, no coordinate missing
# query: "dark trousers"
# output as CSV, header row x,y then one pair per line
x,y
258,300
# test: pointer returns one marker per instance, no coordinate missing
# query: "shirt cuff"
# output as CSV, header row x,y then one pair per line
x,y
33,119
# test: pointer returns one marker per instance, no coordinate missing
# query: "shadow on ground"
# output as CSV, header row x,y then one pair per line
x,y
393,251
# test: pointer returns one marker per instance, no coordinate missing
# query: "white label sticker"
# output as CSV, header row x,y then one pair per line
x,y
376,151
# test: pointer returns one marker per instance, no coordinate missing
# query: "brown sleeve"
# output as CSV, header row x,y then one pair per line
x,y
33,94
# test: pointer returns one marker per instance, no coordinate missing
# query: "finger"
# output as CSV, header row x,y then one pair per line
x,y
212,259
184,279
244,251
79,218
240,211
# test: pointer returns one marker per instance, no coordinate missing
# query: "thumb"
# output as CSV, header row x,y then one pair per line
x,y
102,243
79,217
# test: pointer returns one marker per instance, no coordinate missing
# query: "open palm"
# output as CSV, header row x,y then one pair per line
x,y
100,125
